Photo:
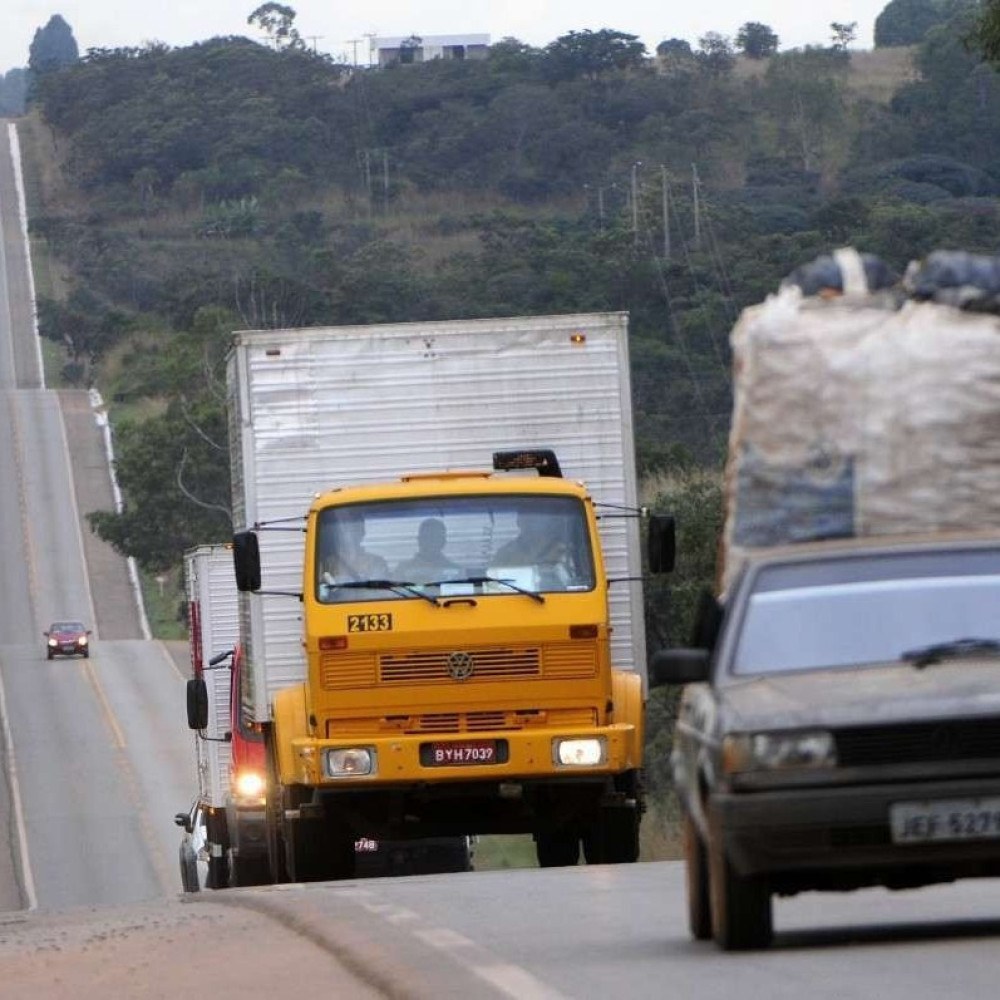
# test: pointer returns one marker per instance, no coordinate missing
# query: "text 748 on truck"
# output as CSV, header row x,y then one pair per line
x,y
473,639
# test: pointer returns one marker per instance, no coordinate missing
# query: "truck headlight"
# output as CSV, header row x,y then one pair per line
x,y
804,749
350,762
248,786
580,752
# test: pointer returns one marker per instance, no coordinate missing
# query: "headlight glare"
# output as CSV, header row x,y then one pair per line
x,y
779,751
584,752
249,785
350,762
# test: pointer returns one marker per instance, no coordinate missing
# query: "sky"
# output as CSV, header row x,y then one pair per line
x,y
332,26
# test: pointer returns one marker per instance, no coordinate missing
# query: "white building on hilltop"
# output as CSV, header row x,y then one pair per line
x,y
424,48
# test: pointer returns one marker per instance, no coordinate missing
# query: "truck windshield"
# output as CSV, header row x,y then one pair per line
x,y
865,610
453,546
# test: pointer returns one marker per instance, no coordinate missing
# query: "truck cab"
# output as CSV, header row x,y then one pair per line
x,y
457,636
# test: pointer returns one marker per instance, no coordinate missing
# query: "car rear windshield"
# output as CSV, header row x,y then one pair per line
x,y
865,609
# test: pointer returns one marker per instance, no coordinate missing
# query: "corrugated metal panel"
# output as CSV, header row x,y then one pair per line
x,y
210,582
330,407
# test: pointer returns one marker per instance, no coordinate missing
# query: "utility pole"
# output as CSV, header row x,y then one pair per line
x,y
371,36
355,42
696,190
385,182
314,39
635,201
666,212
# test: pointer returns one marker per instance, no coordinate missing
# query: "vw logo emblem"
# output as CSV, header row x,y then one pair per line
x,y
460,666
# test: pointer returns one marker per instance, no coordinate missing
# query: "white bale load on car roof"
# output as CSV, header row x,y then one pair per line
x,y
864,413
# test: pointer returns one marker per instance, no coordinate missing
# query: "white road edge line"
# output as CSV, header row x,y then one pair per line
x,y
15,794
512,980
22,205
101,416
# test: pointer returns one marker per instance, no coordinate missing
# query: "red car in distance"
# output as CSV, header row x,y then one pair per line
x,y
67,638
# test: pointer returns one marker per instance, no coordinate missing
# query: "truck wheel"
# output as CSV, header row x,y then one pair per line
x,y
557,849
741,906
218,873
248,871
273,810
317,851
613,838
696,869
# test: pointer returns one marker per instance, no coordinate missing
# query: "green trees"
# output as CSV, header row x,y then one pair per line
x,y
278,23
592,55
906,22
53,47
756,40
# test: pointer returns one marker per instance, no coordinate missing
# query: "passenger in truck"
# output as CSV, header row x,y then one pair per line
x,y
429,562
349,560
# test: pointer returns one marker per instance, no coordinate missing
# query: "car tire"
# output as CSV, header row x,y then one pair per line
x,y
557,849
741,905
86,654
699,903
49,655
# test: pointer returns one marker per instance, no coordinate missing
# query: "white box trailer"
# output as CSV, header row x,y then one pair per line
x,y
213,628
313,409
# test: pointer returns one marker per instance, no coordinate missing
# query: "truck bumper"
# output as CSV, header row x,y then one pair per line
x,y
496,756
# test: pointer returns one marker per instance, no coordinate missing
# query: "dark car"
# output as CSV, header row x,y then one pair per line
x,y
841,730
67,638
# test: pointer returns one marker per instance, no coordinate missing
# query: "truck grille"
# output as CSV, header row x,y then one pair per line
x,y
966,739
555,661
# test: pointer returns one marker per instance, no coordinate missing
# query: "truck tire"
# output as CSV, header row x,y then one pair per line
x,y
557,848
699,905
613,838
318,851
218,873
741,905
273,814
248,871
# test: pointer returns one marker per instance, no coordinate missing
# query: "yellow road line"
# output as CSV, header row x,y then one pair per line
x,y
118,737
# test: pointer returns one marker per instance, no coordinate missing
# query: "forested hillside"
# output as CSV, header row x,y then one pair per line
x,y
179,194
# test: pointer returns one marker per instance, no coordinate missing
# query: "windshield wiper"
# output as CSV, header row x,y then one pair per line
x,y
396,586
924,656
478,581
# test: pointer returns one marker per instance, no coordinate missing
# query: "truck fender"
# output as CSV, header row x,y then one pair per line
x,y
629,709
288,722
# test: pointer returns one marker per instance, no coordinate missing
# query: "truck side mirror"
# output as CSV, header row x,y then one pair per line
x,y
197,703
246,561
661,546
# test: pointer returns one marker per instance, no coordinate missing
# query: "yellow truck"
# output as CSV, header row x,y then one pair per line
x,y
459,671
